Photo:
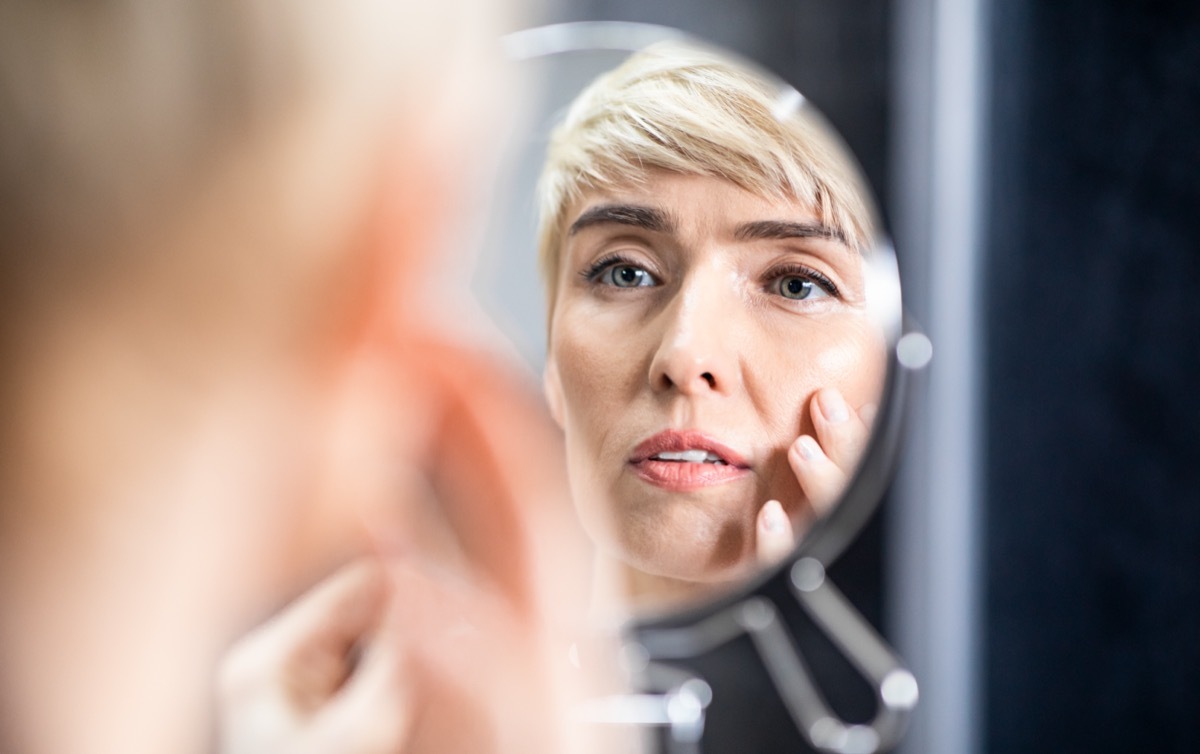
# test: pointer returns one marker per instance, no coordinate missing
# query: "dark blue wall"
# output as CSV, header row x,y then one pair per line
x,y
1093,379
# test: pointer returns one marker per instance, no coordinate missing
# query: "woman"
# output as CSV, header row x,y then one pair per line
x,y
219,378
711,356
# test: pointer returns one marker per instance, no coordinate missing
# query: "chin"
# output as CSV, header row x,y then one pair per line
x,y
713,551
690,569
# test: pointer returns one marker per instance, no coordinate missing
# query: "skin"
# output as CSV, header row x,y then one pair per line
x,y
686,303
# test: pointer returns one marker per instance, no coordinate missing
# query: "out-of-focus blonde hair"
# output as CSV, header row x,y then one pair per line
x,y
686,109
171,138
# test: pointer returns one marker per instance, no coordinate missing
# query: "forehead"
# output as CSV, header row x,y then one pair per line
x,y
696,206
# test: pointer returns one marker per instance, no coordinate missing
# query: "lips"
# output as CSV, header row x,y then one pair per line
x,y
681,461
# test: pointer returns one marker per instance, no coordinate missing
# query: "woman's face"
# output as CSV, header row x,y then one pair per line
x,y
692,326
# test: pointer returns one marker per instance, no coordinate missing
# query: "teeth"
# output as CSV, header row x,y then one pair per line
x,y
689,456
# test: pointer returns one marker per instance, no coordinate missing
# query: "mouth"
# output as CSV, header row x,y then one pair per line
x,y
682,461
689,456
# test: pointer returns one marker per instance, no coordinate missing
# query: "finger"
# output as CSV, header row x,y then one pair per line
x,y
336,613
821,479
308,645
841,431
449,683
373,713
775,536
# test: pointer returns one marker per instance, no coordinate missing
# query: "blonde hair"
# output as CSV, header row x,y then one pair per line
x,y
686,109
126,124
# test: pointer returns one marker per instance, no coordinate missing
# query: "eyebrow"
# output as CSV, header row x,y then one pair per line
x,y
780,229
646,218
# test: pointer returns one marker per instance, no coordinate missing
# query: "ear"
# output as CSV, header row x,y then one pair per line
x,y
371,415
552,387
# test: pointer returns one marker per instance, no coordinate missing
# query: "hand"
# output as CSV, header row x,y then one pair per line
x,y
387,659
429,647
315,678
822,466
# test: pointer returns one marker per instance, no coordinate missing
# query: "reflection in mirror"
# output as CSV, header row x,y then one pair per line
x,y
716,333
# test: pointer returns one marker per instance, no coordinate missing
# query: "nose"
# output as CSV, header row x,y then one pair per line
x,y
697,351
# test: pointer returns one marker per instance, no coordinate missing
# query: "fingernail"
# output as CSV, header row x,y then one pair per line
x,y
808,447
833,406
774,519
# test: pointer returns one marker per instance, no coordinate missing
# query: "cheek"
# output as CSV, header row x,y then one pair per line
x,y
846,354
855,363
581,367
595,369
590,374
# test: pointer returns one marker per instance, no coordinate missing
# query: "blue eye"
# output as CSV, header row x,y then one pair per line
x,y
799,288
625,276
801,284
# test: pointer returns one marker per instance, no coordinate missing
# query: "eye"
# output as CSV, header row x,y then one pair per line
x,y
620,273
799,288
626,276
801,284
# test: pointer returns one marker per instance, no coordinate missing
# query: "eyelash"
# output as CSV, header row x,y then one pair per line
x,y
808,273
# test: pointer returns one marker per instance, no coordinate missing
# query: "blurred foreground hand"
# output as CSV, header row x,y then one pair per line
x,y
317,677
454,637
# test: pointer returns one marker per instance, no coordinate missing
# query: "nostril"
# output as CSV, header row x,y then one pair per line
x,y
684,380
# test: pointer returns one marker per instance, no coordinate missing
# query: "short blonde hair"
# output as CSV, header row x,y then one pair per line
x,y
122,121
686,109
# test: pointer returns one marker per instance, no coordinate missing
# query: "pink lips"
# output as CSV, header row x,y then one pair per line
x,y
682,476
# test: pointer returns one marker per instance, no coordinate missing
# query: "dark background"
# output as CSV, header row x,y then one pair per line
x,y
1090,335
1092,284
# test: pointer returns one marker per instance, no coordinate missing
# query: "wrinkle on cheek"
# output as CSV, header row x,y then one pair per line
x,y
588,386
855,365
782,483
780,397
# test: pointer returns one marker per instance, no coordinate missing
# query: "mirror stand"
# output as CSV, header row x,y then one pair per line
x,y
676,700
758,618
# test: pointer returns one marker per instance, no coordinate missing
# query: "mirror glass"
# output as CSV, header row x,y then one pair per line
x,y
689,254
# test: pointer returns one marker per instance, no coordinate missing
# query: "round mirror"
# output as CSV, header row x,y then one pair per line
x,y
689,254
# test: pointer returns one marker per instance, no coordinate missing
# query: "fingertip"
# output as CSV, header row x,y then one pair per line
x,y
772,518
775,536
832,405
805,449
